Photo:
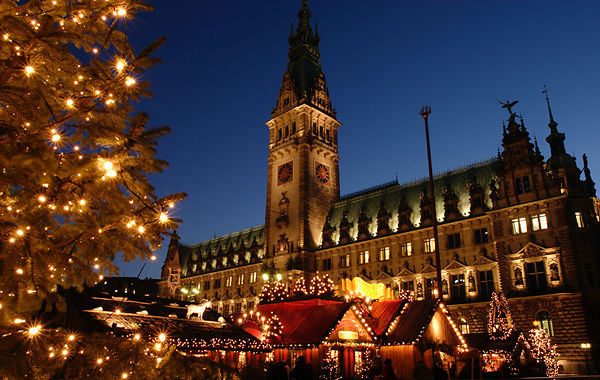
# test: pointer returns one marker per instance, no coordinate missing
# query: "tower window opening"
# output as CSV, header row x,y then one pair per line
x,y
293,128
286,132
518,186
526,184
279,134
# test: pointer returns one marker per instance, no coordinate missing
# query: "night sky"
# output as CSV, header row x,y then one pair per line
x,y
383,60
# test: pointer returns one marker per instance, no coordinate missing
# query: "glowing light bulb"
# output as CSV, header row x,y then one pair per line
x,y
124,375
136,337
95,51
55,137
120,65
111,173
153,258
162,337
20,232
29,70
121,12
71,337
129,81
141,229
82,202
42,198
34,330
70,102
163,217
108,165
99,361
12,240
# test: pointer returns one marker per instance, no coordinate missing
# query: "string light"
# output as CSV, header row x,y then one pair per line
x,y
34,330
129,81
69,102
120,65
29,70
163,217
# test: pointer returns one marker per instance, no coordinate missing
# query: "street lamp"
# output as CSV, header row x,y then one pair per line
x,y
425,111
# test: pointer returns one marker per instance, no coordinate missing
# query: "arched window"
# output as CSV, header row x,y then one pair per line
x,y
545,322
463,325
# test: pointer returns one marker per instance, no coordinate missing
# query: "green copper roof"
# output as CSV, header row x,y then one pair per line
x,y
391,193
207,255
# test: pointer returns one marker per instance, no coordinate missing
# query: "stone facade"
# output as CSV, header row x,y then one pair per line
x,y
516,223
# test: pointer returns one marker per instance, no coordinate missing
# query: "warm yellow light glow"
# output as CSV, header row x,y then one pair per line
x,y
12,240
129,81
29,70
162,337
153,258
157,346
64,352
120,65
278,276
20,232
111,173
163,217
70,102
124,375
265,276
82,202
121,12
136,337
95,50
108,165
141,229
99,361
96,266
34,330
42,198
71,337
18,321
171,205
101,277
19,271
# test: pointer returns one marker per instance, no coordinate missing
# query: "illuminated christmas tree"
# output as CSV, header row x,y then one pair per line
x,y
544,351
272,328
75,188
500,324
299,287
275,292
321,285
330,368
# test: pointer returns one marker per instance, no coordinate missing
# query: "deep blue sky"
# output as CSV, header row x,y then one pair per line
x,y
383,60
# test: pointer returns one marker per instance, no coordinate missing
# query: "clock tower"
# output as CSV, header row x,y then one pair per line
x,y
303,172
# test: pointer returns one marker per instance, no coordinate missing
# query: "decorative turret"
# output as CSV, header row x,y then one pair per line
x,y
559,158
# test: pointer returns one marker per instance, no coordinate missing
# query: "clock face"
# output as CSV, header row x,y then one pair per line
x,y
284,173
322,173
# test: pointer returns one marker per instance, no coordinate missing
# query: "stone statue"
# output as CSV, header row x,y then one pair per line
x,y
284,204
472,283
554,276
419,290
444,286
518,276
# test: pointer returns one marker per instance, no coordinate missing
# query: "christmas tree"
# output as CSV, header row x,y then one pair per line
x,y
299,287
75,158
330,368
500,324
275,292
544,351
321,285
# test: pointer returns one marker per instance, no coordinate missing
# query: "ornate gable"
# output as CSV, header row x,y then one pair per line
x,y
454,265
483,261
533,250
406,272
429,268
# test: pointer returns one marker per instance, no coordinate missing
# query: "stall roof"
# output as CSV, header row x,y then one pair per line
x,y
383,314
412,322
306,322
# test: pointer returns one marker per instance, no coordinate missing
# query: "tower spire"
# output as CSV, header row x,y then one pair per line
x,y
552,124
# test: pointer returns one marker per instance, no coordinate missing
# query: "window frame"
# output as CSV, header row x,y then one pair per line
x,y
539,222
429,245
384,254
363,257
406,249
521,225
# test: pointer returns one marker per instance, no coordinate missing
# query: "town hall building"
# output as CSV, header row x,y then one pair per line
x,y
520,224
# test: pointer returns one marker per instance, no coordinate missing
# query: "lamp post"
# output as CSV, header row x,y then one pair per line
x,y
425,111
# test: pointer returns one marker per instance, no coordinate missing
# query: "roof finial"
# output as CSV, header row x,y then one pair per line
x,y
552,124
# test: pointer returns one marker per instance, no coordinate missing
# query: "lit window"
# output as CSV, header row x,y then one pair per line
x,y
363,257
519,226
539,222
252,277
429,245
536,276
545,322
579,219
240,279
345,261
384,254
463,325
407,249
229,281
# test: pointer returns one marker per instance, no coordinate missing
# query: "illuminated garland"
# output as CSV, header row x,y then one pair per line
x,y
499,319
321,285
330,368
